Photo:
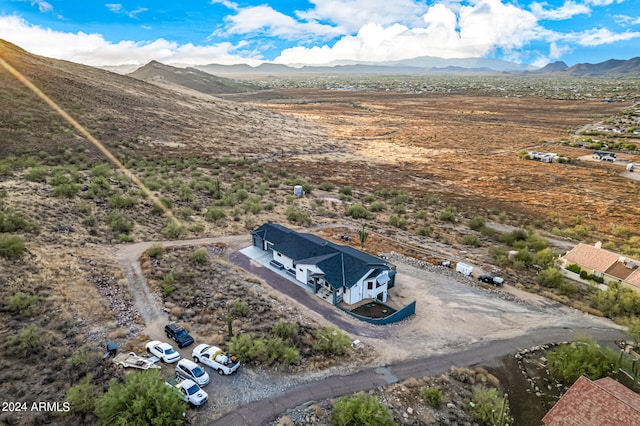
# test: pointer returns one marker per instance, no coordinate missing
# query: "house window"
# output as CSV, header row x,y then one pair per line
x,y
279,254
370,285
300,269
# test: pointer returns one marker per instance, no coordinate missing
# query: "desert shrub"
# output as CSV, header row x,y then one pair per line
x,y
346,190
432,395
98,187
285,330
550,277
185,193
253,205
295,215
156,250
400,209
215,214
144,399
83,396
358,211
377,206
239,308
330,340
568,288
489,408
247,347
118,201
89,221
66,190
398,221
402,197
22,304
477,222
275,348
11,246
290,355
200,255
31,340
119,222
10,221
125,238
102,170
168,290
524,256
421,214
512,237
617,301
545,258
574,268
326,186
362,410
448,214
584,275
471,240
583,356
425,231
173,229
37,174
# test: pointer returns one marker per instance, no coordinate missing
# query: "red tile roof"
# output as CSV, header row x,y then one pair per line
x,y
604,402
591,257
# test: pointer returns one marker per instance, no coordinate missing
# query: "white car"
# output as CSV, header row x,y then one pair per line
x,y
189,391
190,370
215,358
162,350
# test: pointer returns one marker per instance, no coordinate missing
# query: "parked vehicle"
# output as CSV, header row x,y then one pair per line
x,y
490,279
189,391
162,350
604,155
187,369
134,361
216,358
464,268
179,334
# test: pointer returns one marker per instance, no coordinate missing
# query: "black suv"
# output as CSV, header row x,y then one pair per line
x,y
179,334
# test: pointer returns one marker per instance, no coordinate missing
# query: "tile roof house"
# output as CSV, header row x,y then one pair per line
x,y
349,274
604,263
603,402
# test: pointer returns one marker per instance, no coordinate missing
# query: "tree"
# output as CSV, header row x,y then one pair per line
x,y
545,258
363,236
583,356
361,410
550,277
143,399
82,397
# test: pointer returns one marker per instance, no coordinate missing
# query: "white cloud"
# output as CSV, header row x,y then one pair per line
x,y
265,20
354,14
599,36
226,3
43,6
93,49
602,2
472,31
117,8
568,10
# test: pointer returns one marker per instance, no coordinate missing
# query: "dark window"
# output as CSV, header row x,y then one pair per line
x,y
279,254
370,285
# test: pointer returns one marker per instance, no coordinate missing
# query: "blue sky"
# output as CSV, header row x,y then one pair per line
x,y
198,32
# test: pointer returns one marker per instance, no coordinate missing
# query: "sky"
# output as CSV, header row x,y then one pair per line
x,y
318,32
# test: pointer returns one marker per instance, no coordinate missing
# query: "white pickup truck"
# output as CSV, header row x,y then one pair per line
x,y
135,361
215,358
189,391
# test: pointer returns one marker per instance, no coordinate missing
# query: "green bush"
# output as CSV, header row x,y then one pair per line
x,y
66,190
326,186
346,190
295,215
574,268
583,356
421,214
472,240
117,201
247,347
361,410
200,255
125,238
377,206
489,408
32,340
448,214
545,258
398,221
11,246
285,330
425,231
22,304
119,222
102,170
168,290
358,211
432,395
215,214
83,396
291,355
144,399
10,221
330,340
477,222
156,250
173,229
617,301
37,174
239,308
550,277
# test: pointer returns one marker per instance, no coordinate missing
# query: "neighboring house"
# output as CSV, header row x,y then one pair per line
x,y
603,263
604,402
350,275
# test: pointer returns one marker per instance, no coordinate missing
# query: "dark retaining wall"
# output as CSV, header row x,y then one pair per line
x,y
397,316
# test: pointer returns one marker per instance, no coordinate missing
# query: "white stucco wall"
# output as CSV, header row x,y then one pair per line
x,y
279,257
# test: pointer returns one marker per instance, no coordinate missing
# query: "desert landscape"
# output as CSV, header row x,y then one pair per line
x,y
432,172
